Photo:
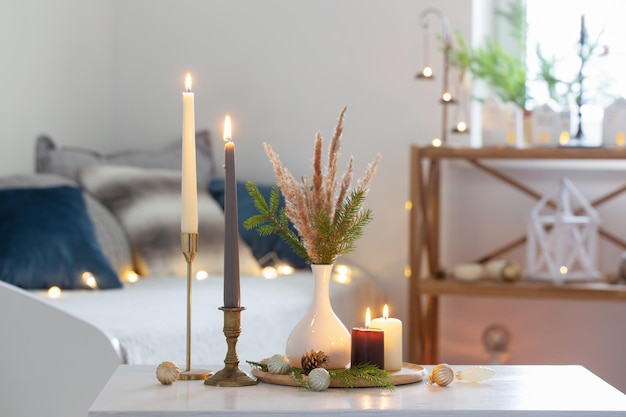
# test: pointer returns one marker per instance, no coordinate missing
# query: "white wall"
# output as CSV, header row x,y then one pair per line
x,y
55,76
109,74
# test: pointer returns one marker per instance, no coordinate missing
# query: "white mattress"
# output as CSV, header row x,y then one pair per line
x,y
148,318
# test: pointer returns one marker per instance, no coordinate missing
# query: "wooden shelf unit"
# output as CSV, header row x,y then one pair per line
x,y
424,236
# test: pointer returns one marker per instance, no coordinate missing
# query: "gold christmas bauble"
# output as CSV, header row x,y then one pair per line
x,y
441,375
167,372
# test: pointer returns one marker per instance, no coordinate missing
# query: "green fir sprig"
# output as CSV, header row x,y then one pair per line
x,y
335,237
366,372
272,220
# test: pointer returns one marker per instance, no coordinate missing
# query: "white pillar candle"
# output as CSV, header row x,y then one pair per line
x,y
189,191
393,339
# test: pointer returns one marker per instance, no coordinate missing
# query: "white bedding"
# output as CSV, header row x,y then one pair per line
x,y
148,318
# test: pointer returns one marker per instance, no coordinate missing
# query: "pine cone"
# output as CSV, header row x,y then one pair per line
x,y
313,359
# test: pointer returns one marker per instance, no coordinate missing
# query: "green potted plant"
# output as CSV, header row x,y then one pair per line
x,y
502,71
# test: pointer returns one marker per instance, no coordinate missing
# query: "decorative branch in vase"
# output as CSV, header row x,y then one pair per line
x,y
328,217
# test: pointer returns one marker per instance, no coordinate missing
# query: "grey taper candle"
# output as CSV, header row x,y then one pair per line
x,y
231,238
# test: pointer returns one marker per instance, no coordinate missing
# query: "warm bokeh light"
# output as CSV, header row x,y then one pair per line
x,y
446,96
54,292
436,142
510,138
620,139
269,272
132,276
427,72
284,269
563,270
407,271
202,275
564,138
343,274
89,279
408,205
461,126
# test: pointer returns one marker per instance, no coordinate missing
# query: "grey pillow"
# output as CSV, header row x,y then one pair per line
x,y
148,204
111,236
67,161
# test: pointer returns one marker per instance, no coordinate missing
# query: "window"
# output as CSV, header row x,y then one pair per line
x,y
556,27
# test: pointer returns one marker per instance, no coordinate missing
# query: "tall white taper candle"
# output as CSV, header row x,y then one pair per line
x,y
189,192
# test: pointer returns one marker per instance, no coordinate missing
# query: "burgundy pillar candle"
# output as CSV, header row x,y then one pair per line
x,y
368,345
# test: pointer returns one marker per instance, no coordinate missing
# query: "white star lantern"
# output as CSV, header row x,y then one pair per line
x,y
562,239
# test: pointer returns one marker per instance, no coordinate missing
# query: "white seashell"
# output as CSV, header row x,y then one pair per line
x,y
319,379
278,364
442,375
469,272
167,372
475,374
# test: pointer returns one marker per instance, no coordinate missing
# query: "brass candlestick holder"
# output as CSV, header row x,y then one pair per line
x,y
231,375
189,244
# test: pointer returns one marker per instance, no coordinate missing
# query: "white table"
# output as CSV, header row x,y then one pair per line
x,y
514,391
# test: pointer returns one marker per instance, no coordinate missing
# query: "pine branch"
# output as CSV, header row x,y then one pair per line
x,y
258,365
372,374
270,220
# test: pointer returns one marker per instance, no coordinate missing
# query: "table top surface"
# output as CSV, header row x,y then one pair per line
x,y
541,390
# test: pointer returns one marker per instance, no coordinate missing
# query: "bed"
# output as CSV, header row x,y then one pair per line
x,y
60,351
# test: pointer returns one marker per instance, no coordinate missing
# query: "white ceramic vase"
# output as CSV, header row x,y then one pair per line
x,y
320,328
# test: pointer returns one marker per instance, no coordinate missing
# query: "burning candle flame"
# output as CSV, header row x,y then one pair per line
x,y
188,83
386,312
368,318
227,129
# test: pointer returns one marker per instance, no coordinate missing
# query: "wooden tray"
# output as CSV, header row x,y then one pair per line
x,y
409,374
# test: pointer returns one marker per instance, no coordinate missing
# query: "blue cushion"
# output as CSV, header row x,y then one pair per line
x,y
260,245
48,239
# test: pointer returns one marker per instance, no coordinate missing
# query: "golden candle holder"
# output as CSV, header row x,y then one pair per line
x,y
189,244
231,375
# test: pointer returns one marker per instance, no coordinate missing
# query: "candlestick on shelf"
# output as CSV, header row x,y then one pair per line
x,y
368,345
189,215
393,339
231,238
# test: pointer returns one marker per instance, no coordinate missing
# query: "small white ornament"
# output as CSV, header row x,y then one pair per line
x,y
167,372
278,364
495,267
469,272
475,374
441,375
511,272
319,379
